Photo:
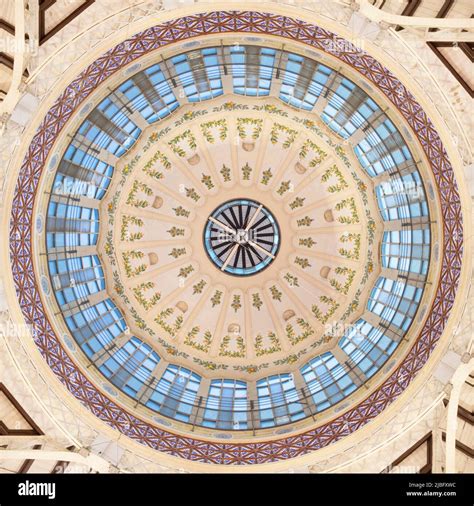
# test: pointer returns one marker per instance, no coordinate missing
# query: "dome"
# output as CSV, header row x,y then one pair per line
x,y
227,237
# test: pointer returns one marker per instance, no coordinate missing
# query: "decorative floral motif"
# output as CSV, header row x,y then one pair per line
x,y
118,285
274,345
206,180
112,207
192,194
181,211
177,252
332,307
175,231
231,106
340,151
308,242
226,174
220,125
187,138
199,287
255,124
210,366
142,187
290,135
139,290
304,222
156,136
352,254
256,301
109,246
216,298
297,338
271,109
130,220
203,345
151,171
266,176
371,229
292,280
139,321
236,304
276,294
155,174
350,204
334,172
237,351
246,171
128,256
251,368
361,186
172,350
343,271
369,267
284,187
171,329
298,202
290,359
184,272
189,116
127,169
319,154
302,262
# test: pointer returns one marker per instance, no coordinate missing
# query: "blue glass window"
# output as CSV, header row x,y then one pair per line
x,y
402,198
278,401
175,394
348,109
303,81
367,346
108,127
246,260
93,327
395,302
70,225
382,149
252,70
81,173
199,74
76,278
327,380
129,367
226,406
150,93
406,250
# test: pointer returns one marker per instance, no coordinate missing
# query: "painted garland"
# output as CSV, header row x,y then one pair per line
x,y
22,226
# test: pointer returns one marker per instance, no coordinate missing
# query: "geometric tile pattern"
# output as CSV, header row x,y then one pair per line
x,y
28,291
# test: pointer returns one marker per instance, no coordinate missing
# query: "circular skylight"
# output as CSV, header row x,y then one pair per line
x,y
241,237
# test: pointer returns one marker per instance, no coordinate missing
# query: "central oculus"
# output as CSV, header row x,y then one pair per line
x,y
241,237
